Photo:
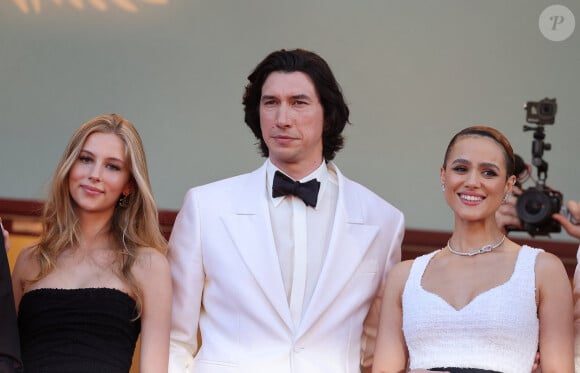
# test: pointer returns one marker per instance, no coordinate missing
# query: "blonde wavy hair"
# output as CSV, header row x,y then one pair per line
x,y
131,227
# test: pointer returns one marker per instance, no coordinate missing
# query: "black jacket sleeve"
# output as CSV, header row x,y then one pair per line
x,y
9,339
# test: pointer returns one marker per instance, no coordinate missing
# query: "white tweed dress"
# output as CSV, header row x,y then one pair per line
x,y
498,330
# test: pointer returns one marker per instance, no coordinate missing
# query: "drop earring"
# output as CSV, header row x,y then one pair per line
x,y
505,199
123,201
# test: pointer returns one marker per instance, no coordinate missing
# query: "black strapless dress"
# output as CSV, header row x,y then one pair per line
x,y
77,330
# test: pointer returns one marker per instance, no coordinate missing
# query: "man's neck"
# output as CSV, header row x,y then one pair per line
x,y
297,171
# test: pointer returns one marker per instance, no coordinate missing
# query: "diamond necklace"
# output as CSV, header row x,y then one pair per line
x,y
481,250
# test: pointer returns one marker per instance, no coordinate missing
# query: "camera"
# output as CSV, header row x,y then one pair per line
x,y
535,207
536,204
541,112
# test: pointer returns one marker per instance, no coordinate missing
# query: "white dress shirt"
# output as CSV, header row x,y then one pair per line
x,y
315,223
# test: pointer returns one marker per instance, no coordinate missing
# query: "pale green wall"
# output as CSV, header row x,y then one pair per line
x,y
414,72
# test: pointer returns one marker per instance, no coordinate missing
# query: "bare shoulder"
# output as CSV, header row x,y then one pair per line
x,y
547,263
152,273
26,254
403,267
399,273
26,266
550,271
148,257
26,269
149,263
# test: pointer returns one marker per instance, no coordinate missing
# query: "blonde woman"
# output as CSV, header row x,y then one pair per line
x,y
98,276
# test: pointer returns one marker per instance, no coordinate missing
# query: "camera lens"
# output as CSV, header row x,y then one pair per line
x,y
534,206
546,109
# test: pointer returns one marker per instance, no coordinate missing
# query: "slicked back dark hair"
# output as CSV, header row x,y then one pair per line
x,y
489,132
336,111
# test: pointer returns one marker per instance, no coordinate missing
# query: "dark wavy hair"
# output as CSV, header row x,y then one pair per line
x,y
336,111
491,133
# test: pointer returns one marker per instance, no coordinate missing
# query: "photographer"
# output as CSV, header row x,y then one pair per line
x,y
507,215
537,209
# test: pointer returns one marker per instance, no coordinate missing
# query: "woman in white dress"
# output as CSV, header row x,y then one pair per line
x,y
482,303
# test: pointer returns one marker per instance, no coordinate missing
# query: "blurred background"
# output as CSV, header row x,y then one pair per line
x,y
413,72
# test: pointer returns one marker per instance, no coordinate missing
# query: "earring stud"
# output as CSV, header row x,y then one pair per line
x,y
505,198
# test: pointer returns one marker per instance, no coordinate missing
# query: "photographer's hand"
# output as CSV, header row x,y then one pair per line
x,y
572,229
507,215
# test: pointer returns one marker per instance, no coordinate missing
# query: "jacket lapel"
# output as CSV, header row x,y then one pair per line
x,y
251,231
350,240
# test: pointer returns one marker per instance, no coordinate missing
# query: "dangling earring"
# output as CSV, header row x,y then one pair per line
x,y
442,187
505,199
123,201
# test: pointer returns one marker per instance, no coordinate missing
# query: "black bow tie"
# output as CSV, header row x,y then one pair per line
x,y
307,191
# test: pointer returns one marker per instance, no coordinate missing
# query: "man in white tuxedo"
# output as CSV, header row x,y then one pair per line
x,y
280,268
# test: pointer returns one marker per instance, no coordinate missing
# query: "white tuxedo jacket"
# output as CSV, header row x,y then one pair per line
x,y
227,282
